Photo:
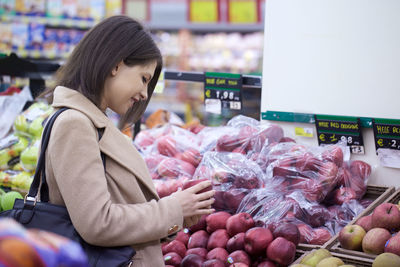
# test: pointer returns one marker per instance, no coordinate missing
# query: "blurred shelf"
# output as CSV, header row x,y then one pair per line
x,y
218,27
55,22
37,54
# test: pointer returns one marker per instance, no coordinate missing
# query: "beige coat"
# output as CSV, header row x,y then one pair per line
x,y
119,207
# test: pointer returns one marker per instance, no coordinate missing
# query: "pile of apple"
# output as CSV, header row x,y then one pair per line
x,y
221,239
376,233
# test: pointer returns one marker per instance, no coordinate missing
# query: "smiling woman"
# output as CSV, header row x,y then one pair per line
x,y
91,168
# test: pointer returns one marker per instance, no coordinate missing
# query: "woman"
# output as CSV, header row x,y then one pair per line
x,y
116,66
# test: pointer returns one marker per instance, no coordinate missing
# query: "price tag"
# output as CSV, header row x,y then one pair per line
x,y
306,132
213,106
334,129
204,11
225,87
243,11
387,133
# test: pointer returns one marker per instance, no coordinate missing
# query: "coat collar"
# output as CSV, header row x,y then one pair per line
x,y
113,143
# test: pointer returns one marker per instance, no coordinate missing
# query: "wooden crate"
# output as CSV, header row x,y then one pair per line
x,y
334,245
347,259
377,193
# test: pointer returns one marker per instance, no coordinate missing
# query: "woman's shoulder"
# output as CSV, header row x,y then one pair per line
x,y
71,119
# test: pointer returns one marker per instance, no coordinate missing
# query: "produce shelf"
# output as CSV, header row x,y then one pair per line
x,y
334,245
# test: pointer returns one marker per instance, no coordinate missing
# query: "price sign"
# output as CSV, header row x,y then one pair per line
x,y
333,129
243,11
224,87
204,11
387,133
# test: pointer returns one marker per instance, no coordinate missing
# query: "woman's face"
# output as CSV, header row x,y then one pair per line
x,y
126,86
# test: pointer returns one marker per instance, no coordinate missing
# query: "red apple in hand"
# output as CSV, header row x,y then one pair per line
x,y
288,231
239,223
375,240
281,251
365,222
191,183
257,239
198,239
236,242
217,221
351,236
386,215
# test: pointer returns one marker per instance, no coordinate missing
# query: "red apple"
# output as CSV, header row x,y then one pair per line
x,y
375,240
202,252
257,239
320,236
198,239
343,195
287,139
217,253
281,251
386,215
183,236
172,258
166,146
333,154
168,167
266,263
201,225
288,231
218,239
360,168
239,223
239,256
393,245
351,236
176,246
232,199
239,264
217,220
236,242
192,260
213,263
306,233
191,155
365,222
344,177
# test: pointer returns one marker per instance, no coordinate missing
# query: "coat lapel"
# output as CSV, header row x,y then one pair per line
x,y
120,149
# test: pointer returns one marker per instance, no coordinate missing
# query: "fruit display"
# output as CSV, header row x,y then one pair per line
x,y
323,258
222,239
255,169
19,150
373,234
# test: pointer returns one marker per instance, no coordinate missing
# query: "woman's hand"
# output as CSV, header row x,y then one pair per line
x,y
194,203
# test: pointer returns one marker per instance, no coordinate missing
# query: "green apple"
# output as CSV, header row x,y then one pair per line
x,y
351,237
386,260
36,127
18,167
330,262
8,199
347,265
5,157
5,179
299,265
21,124
29,158
22,180
315,257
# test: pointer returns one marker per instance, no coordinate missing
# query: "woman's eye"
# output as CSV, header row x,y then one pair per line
x,y
144,80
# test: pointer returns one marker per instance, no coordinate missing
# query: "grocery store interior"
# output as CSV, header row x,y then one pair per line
x,y
290,108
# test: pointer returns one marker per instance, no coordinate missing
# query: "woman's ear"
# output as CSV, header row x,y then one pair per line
x,y
114,71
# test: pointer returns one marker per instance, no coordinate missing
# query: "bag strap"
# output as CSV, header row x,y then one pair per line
x,y
39,179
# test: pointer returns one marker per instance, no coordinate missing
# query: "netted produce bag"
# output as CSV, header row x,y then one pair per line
x,y
11,148
31,122
18,179
232,175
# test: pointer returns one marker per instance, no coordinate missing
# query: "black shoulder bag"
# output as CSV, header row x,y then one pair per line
x,y
55,218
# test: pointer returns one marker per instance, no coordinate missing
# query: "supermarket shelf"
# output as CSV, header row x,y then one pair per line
x,y
55,22
37,54
217,27
249,81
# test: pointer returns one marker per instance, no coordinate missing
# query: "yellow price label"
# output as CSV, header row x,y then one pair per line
x,y
204,11
306,132
243,11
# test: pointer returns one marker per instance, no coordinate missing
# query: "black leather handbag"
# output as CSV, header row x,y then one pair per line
x,y
55,218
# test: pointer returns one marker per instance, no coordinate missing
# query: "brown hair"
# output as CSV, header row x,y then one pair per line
x,y
115,39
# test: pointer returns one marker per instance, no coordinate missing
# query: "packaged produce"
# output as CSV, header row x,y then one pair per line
x,y
19,179
232,176
29,156
10,149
